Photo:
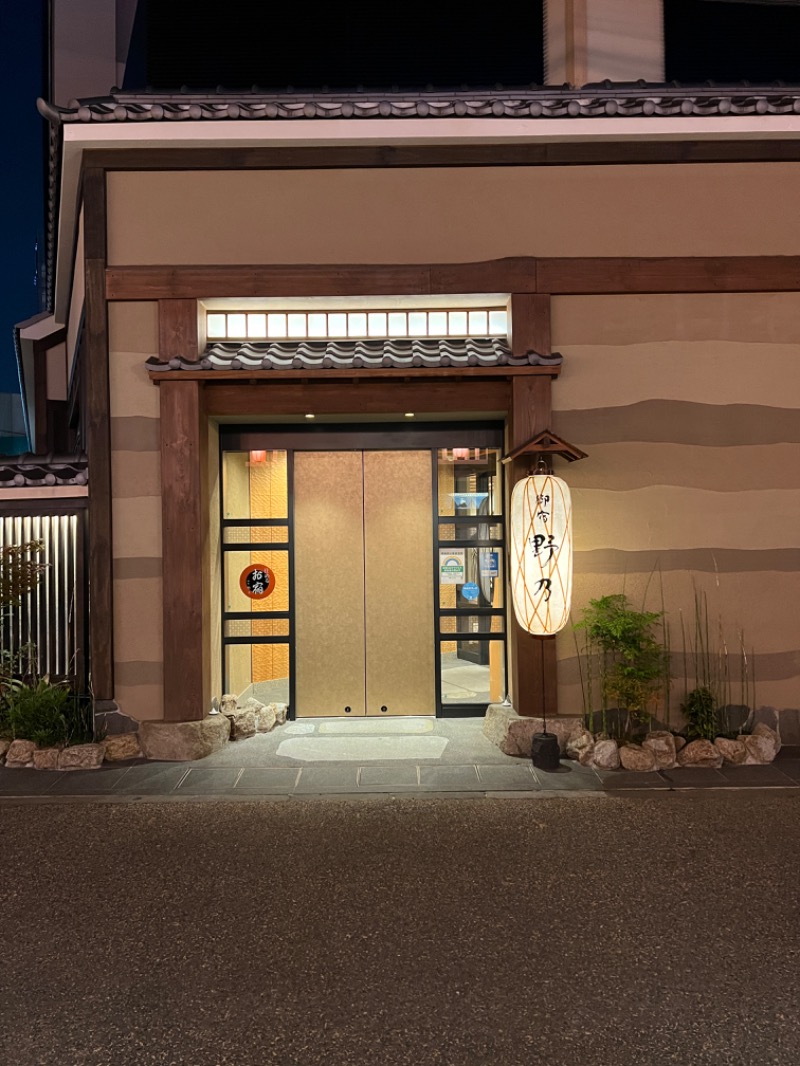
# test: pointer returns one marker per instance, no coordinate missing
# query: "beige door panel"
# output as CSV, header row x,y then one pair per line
x,y
398,553
329,584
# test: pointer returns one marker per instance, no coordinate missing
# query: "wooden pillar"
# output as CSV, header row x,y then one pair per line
x,y
534,686
97,421
177,329
183,502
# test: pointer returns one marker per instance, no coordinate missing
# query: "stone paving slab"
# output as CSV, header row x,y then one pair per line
x,y
569,777
513,776
622,780
757,776
694,777
85,782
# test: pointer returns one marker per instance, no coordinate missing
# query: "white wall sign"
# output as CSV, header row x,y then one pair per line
x,y
452,562
540,527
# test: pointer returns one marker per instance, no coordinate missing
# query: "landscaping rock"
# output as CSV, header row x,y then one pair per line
x,y
20,753
761,729
580,747
700,753
243,722
513,733
227,705
281,711
81,757
184,741
4,746
606,755
634,757
680,742
733,752
662,744
121,747
266,718
46,758
496,722
762,745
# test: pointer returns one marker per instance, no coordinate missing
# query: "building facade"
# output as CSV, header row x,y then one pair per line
x,y
300,333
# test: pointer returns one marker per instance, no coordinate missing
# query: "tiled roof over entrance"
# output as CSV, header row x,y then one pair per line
x,y
33,471
392,354
601,100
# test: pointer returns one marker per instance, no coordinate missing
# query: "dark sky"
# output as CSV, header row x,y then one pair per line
x,y
21,172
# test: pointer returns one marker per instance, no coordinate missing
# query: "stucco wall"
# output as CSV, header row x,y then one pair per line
x,y
687,405
688,408
451,214
136,510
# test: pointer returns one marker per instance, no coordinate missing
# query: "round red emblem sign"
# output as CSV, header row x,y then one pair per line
x,y
257,582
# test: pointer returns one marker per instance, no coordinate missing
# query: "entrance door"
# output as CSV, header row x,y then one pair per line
x,y
363,546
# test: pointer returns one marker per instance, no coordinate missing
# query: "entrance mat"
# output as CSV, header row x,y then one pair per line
x,y
380,726
362,749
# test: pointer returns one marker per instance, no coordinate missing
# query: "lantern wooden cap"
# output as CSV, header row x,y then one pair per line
x,y
547,443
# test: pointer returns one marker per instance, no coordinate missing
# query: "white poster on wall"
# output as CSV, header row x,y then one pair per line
x,y
452,562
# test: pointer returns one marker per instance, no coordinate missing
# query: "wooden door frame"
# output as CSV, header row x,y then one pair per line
x,y
186,406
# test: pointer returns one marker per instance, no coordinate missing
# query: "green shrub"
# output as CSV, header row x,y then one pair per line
x,y
48,714
700,712
630,656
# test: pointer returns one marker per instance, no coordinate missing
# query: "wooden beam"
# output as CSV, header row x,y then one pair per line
x,y
98,438
183,522
534,678
355,376
603,275
530,323
549,153
377,398
202,282
612,275
177,329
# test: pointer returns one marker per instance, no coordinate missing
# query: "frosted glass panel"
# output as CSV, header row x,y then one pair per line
x,y
337,325
276,325
297,325
257,326
377,324
397,324
357,325
498,323
458,323
478,324
216,326
437,323
317,325
237,325
417,324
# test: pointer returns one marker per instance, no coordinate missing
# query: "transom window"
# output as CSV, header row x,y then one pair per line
x,y
343,325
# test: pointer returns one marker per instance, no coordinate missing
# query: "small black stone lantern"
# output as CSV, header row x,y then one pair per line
x,y
544,751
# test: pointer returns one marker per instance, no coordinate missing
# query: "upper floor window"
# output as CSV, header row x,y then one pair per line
x,y
732,40
277,325
341,46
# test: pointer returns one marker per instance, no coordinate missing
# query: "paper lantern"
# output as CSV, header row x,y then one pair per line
x,y
541,553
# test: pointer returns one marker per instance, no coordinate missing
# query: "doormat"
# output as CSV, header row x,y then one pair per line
x,y
362,749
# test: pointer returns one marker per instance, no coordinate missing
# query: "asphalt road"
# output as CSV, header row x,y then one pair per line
x,y
584,930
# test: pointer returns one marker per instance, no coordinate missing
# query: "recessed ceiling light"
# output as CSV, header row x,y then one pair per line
x,y
310,416
409,414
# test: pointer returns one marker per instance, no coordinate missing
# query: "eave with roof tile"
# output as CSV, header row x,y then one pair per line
x,y
38,471
602,100
331,357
